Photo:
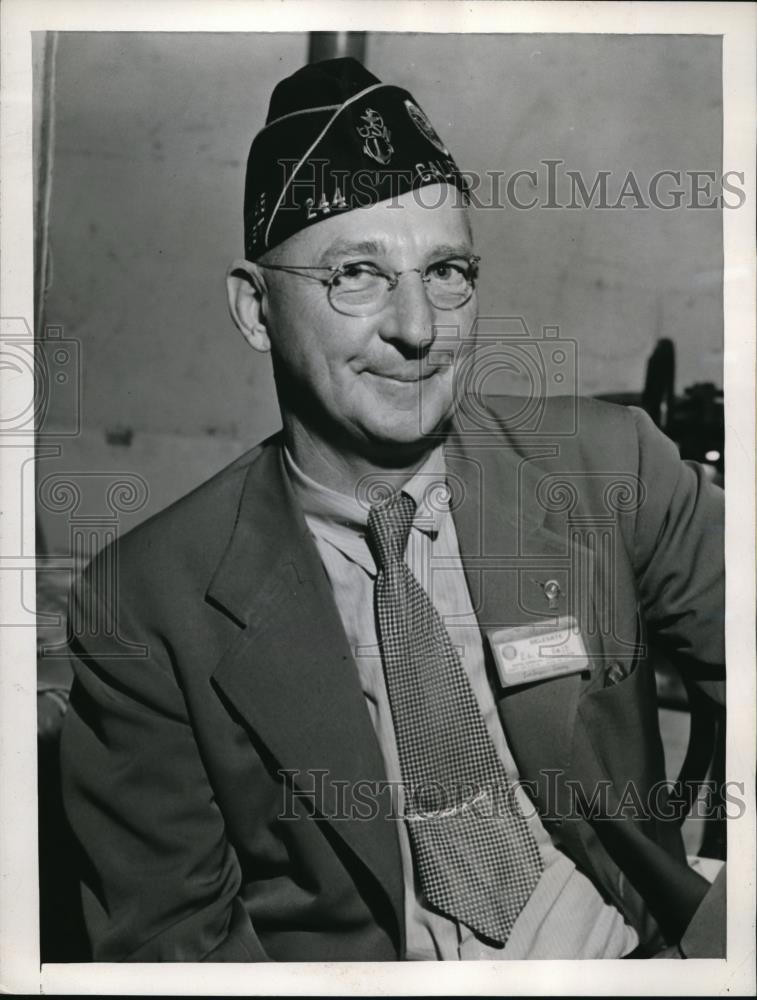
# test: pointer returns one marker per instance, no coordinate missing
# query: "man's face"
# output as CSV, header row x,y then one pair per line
x,y
374,378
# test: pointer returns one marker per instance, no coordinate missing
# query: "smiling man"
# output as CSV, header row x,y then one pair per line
x,y
375,691
357,383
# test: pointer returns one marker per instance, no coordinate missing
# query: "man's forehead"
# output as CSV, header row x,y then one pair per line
x,y
382,245
409,222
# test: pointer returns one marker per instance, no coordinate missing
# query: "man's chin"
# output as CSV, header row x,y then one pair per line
x,y
402,440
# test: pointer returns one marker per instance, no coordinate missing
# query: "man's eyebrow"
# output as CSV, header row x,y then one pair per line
x,y
451,250
350,248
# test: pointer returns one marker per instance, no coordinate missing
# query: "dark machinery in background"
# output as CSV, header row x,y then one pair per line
x,y
694,420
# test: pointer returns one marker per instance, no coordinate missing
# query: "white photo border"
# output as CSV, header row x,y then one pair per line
x,y
20,969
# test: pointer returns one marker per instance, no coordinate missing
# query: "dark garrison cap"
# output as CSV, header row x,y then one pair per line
x,y
336,139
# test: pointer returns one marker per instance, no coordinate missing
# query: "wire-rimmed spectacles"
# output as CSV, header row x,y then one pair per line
x,y
363,288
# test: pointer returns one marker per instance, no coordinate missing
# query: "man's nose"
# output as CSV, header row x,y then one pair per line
x,y
408,319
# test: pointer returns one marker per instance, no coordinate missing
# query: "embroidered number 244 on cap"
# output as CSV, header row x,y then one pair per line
x,y
336,139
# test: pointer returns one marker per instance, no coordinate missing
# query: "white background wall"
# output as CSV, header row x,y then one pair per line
x,y
151,138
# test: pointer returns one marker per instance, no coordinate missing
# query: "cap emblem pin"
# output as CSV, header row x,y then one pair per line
x,y
425,127
376,137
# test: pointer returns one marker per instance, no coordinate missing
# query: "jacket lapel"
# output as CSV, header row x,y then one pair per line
x,y
291,674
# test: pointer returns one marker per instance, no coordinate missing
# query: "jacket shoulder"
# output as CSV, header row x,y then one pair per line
x,y
580,430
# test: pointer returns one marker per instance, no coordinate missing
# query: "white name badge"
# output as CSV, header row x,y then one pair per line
x,y
531,653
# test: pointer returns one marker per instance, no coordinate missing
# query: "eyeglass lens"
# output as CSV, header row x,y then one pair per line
x,y
360,289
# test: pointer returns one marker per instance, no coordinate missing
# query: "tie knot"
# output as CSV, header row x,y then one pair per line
x,y
389,524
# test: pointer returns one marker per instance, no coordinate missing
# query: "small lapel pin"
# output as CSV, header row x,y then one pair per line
x,y
552,591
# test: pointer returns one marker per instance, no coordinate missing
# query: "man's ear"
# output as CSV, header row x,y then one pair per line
x,y
246,292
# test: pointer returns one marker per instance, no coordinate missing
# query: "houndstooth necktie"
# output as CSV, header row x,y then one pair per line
x,y
476,858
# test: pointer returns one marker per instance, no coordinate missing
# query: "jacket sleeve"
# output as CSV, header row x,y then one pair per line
x,y
160,879
679,557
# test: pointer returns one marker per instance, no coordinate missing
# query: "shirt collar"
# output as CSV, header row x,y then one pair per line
x,y
426,486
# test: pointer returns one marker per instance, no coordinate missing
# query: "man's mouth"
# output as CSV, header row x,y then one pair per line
x,y
405,377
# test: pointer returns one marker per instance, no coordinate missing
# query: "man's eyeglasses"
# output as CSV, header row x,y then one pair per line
x,y
363,288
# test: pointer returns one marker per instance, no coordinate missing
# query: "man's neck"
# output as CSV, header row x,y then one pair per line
x,y
342,469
